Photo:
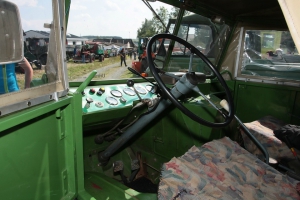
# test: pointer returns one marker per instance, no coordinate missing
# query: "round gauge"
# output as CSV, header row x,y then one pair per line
x,y
140,90
111,100
129,91
151,88
116,93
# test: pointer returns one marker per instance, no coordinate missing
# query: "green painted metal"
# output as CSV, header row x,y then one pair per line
x,y
37,153
276,100
48,151
67,11
86,82
78,151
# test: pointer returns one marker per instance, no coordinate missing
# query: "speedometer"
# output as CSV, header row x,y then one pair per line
x,y
129,91
111,100
140,90
116,93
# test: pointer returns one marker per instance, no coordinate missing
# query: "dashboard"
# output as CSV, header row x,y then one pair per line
x,y
103,104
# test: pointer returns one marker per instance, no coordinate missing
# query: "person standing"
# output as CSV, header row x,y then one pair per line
x,y
134,55
74,51
82,54
123,57
130,54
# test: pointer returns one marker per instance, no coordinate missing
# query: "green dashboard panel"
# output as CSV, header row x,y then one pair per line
x,y
103,103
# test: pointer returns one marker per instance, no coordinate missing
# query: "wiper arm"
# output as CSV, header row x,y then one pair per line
x,y
156,15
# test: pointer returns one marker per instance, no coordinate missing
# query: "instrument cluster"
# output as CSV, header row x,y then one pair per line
x,y
97,98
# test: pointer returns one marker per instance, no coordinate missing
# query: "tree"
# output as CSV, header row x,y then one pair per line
x,y
174,13
154,26
163,14
147,29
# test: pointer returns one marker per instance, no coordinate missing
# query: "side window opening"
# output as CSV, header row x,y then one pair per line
x,y
270,53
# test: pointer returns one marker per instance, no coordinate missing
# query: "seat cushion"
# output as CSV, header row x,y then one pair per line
x,y
221,169
263,129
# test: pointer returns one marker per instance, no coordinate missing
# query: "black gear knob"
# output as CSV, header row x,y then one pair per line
x,y
130,83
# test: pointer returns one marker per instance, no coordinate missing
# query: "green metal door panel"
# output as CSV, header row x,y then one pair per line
x,y
31,163
254,101
37,155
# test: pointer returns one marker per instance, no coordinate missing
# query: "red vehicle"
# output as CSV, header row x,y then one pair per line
x,y
89,57
141,65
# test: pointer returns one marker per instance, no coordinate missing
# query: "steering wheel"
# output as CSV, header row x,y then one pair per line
x,y
189,82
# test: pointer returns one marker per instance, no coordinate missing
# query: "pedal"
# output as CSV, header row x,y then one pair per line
x,y
118,166
142,172
135,164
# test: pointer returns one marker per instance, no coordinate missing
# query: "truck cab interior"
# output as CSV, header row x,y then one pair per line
x,y
217,117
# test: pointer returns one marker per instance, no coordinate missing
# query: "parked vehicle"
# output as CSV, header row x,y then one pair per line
x,y
39,48
70,51
89,56
31,58
169,136
97,49
142,63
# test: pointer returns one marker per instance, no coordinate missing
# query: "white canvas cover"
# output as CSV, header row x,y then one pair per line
x,y
290,9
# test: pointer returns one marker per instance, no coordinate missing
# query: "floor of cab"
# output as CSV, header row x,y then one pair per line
x,y
102,187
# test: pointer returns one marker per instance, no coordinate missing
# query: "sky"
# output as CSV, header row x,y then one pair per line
x,y
90,17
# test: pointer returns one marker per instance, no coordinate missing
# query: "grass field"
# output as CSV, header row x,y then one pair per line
x,y
75,70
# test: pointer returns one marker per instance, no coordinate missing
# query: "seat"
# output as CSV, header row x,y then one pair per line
x,y
262,130
221,169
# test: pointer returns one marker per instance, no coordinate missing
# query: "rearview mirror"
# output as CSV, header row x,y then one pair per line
x,y
11,45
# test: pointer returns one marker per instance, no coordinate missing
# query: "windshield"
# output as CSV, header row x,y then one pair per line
x,y
198,35
200,31
209,38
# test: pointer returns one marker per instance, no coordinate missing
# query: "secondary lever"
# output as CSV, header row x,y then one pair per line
x,y
130,83
137,73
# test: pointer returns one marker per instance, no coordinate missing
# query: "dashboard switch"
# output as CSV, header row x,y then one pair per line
x,y
99,93
92,91
89,100
99,104
123,100
102,89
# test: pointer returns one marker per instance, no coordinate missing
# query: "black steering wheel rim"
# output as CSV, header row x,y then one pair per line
x,y
174,100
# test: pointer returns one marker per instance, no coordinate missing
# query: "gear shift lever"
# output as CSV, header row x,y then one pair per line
x,y
130,83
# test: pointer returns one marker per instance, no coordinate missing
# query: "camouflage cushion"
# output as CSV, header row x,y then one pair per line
x,y
263,129
221,169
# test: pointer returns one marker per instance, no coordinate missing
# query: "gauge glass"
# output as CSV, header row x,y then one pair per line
x,y
111,100
116,93
129,91
141,90
151,88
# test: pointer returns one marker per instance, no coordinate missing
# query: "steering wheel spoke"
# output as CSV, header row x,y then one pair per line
x,y
191,62
189,81
225,115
